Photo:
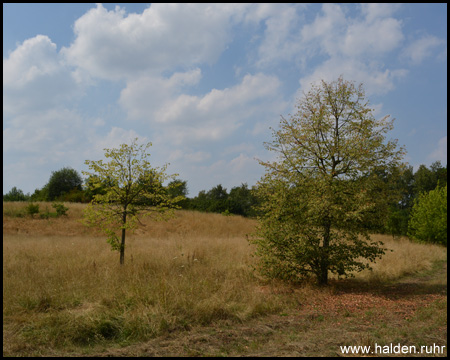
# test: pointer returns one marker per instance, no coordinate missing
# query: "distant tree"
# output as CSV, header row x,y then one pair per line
x,y
62,182
178,188
15,194
400,180
424,180
323,188
217,197
126,181
40,194
440,173
428,221
242,201
213,200
200,202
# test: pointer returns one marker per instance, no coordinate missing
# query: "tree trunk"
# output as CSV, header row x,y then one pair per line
x,y
122,245
322,278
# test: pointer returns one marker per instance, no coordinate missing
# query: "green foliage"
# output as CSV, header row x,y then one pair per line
x,y
226,213
40,194
62,182
15,194
428,220
410,185
240,201
124,187
60,209
32,209
74,195
426,179
325,186
47,214
397,221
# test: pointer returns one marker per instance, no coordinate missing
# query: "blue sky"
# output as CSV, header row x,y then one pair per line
x,y
204,83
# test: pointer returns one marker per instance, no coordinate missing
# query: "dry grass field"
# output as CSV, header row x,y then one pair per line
x,y
187,289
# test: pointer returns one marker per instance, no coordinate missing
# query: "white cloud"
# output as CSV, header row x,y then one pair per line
x,y
36,78
50,133
372,39
374,78
373,11
281,40
116,136
422,48
189,156
322,33
440,153
114,45
333,33
182,118
354,47
142,96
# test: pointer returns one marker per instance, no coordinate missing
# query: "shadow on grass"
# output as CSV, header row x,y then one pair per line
x,y
434,282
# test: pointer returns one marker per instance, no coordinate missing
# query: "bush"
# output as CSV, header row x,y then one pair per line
x,y
32,209
428,220
60,209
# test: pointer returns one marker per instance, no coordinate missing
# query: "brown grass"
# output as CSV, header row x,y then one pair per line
x,y
64,290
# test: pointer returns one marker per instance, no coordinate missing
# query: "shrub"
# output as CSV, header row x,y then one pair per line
x,y
32,209
60,209
428,220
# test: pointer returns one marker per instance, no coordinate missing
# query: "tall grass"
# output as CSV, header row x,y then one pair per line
x,y
68,289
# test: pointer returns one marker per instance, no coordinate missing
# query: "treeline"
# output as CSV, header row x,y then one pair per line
x,y
241,200
412,186
67,185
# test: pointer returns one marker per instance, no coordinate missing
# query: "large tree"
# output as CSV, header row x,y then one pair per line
x,y
130,186
324,187
62,182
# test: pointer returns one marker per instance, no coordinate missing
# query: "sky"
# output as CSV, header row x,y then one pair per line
x,y
204,83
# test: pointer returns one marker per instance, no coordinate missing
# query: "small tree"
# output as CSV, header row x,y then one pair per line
x,y
324,186
130,186
428,220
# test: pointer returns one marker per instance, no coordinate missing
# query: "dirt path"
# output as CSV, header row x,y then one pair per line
x,y
345,314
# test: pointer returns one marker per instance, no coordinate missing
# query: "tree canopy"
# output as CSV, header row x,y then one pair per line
x,y
428,221
325,185
129,186
63,181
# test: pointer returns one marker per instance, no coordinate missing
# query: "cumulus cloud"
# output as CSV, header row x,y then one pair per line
x,y
352,46
373,11
35,77
281,41
376,80
373,38
187,118
142,96
115,45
